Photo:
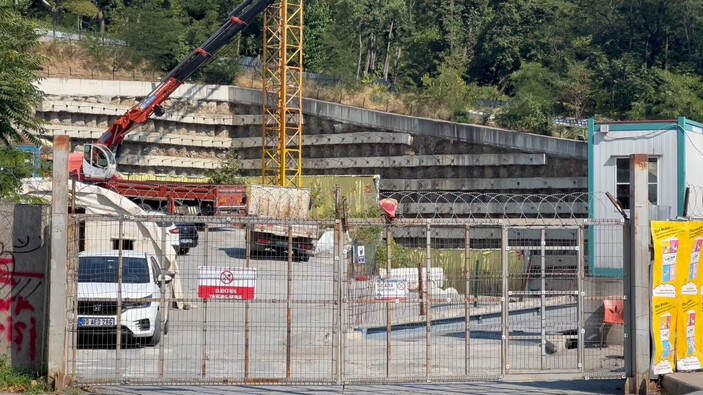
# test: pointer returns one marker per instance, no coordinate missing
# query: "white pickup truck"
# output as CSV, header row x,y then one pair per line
x,y
281,203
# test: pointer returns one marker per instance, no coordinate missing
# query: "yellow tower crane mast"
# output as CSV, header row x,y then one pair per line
x,y
282,94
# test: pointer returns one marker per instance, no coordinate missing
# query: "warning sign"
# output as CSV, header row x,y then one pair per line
x,y
226,283
391,289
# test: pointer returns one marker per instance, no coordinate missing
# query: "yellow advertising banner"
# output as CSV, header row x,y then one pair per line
x,y
664,333
695,242
671,274
668,238
688,340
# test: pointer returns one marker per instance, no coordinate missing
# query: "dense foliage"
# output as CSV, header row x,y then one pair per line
x,y
18,75
618,59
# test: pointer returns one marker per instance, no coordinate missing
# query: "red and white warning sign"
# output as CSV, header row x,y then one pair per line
x,y
226,283
391,289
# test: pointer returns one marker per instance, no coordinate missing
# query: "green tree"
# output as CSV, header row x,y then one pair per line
x,y
447,90
229,172
14,166
531,107
576,90
156,33
318,27
670,96
19,67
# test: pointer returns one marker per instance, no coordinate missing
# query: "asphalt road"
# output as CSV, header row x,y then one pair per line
x,y
206,344
575,387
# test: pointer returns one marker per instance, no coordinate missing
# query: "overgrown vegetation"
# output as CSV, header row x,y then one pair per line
x,y
229,172
13,381
19,65
528,62
14,166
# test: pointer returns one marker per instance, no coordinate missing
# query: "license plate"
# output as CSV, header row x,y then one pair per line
x,y
186,240
96,322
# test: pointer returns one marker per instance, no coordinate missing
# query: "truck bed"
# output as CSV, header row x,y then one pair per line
x,y
222,198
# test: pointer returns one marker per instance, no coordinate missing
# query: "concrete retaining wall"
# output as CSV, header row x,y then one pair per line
x,y
350,115
408,153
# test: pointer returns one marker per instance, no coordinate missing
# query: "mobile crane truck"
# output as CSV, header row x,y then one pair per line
x,y
98,162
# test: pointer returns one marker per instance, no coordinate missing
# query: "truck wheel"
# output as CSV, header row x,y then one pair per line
x,y
183,250
302,257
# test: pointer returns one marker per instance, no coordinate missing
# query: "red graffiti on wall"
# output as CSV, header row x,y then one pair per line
x,y
7,277
21,304
15,331
15,335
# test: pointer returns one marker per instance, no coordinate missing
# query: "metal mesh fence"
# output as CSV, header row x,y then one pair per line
x,y
219,313
361,308
436,294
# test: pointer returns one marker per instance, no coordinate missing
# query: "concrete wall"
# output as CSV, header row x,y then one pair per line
x,y
351,115
694,155
24,256
408,153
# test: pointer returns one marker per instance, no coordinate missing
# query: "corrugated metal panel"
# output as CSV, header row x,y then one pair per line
x,y
694,158
608,147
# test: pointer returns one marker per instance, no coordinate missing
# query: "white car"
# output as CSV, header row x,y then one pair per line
x,y
172,232
97,294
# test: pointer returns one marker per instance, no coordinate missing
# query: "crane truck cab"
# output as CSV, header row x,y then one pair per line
x,y
97,163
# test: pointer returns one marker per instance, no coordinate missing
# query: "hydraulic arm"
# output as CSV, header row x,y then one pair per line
x,y
238,19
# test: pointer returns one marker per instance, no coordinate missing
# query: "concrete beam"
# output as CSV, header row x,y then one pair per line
x,y
428,161
479,184
476,209
77,107
309,163
515,236
475,134
93,133
168,161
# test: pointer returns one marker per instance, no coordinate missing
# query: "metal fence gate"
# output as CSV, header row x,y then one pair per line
x,y
484,299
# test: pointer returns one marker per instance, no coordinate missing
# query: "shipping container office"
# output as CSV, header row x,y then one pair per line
x,y
675,149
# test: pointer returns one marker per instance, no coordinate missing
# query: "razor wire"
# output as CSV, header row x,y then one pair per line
x,y
450,206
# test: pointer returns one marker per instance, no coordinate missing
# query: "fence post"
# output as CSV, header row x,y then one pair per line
x,y
543,297
389,316
56,353
337,275
428,310
206,244
120,267
247,312
289,295
636,281
467,301
581,361
162,301
505,272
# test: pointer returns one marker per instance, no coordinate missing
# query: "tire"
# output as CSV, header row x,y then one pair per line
x,y
302,257
183,251
156,338
166,327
